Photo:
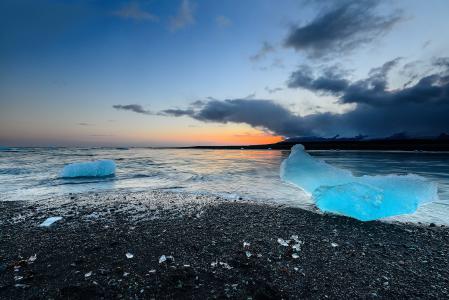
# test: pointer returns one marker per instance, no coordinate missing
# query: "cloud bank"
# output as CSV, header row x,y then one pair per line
x,y
420,108
330,82
264,114
340,28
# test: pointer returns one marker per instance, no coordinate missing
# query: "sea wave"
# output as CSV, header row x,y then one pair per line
x,y
12,171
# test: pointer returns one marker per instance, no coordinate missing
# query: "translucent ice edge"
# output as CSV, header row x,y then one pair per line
x,y
364,198
49,221
99,168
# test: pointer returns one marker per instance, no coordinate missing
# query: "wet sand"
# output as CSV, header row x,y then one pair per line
x,y
213,249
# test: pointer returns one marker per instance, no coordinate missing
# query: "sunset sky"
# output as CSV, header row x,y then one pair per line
x,y
196,72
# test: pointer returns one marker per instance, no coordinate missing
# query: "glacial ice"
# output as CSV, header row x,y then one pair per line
x,y
362,197
99,168
49,221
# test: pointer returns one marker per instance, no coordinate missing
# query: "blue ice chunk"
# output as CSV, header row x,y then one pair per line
x,y
309,173
99,168
49,221
365,198
363,202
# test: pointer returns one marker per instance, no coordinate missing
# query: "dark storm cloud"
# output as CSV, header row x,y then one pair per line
x,y
431,89
264,114
341,28
176,112
420,108
329,82
132,107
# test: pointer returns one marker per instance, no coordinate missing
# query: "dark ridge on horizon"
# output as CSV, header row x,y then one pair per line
x,y
396,142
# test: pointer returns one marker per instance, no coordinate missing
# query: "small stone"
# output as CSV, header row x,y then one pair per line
x,y
297,247
32,258
282,242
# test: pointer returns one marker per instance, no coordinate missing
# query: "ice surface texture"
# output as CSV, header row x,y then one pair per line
x,y
365,198
99,168
49,221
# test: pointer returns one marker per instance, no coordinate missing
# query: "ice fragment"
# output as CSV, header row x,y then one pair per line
x,y
282,242
99,168
362,197
32,258
162,259
49,221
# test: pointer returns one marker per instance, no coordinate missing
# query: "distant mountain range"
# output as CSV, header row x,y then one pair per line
x,y
396,136
396,142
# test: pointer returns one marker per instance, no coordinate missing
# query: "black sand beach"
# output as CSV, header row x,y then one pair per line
x,y
83,256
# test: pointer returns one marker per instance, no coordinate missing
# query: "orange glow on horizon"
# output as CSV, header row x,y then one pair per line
x,y
171,135
213,136
220,139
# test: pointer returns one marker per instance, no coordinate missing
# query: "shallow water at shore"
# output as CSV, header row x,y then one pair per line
x,y
32,173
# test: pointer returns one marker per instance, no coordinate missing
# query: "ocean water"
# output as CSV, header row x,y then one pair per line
x,y
32,173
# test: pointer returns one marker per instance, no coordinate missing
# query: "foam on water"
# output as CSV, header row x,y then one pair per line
x,y
34,174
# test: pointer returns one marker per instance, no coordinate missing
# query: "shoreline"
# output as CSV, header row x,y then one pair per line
x,y
84,254
406,145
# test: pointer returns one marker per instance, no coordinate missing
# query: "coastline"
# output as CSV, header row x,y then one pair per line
x,y
405,145
84,254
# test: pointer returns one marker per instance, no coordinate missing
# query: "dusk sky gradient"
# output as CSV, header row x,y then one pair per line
x,y
196,72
